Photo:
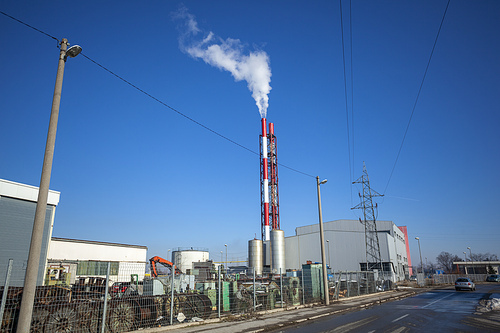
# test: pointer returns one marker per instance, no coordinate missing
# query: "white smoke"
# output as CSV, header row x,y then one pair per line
x,y
228,55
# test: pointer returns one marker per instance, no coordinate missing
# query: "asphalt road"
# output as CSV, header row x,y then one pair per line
x,y
440,310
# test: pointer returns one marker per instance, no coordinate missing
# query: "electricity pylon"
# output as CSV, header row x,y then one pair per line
x,y
373,257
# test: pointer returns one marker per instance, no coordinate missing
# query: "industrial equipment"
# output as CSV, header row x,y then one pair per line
x,y
159,260
57,276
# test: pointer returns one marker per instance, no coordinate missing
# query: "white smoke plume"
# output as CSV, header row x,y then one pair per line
x,y
228,55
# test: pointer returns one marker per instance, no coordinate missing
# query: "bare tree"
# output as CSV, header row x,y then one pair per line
x,y
445,261
484,257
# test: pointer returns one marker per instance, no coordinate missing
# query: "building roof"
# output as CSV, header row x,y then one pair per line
x,y
69,240
486,262
25,192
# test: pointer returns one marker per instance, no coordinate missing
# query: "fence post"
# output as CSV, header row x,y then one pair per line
x,y
303,288
359,284
254,299
281,287
172,287
103,325
348,282
337,286
5,290
218,292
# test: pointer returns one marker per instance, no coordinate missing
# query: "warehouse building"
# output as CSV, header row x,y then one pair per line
x,y
17,214
345,247
74,258
83,258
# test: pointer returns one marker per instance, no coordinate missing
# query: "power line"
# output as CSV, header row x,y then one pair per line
x,y
168,106
30,26
345,94
185,116
156,99
418,95
352,89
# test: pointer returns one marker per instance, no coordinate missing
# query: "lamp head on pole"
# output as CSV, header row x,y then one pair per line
x,y
74,51
323,181
417,238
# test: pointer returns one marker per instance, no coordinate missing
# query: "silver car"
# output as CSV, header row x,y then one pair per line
x,y
464,283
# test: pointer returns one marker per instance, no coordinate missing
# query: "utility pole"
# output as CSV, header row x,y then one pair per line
x,y
322,245
30,278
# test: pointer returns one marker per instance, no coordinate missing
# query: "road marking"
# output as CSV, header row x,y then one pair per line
x,y
399,330
354,325
436,301
395,320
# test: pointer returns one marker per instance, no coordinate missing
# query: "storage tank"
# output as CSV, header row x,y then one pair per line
x,y
278,251
255,256
183,258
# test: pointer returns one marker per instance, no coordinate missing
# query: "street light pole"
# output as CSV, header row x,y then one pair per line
x,y
322,241
226,258
465,255
473,269
419,251
33,262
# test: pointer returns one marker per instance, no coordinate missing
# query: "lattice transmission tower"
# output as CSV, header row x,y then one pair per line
x,y
373,257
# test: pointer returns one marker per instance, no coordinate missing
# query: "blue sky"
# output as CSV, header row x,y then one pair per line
x,y
130,170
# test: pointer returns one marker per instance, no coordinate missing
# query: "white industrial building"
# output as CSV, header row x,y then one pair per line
x,y
83,258
346,247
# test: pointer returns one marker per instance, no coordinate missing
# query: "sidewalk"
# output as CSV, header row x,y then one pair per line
x,y
274,319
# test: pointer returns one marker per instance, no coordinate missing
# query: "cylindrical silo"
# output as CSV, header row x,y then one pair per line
x,y
183,258
255,256
278,251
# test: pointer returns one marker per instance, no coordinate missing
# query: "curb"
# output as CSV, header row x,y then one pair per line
x,y
319,306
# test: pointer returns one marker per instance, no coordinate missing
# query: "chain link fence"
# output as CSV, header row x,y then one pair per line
x,y
120,297
451,278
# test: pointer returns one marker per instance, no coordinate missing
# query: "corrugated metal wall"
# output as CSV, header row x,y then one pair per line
x,y
16,224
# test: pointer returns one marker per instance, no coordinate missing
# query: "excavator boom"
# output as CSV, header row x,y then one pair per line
x,y
159,260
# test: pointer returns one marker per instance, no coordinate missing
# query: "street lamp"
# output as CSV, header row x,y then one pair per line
x,y
33,262
322,241
419,251
226,256
328,250
473,269
221,262
465,255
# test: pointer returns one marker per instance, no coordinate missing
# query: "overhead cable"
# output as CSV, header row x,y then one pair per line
x,y
158,100
418,95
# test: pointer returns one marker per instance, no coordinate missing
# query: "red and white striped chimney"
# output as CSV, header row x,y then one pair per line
x,y
267,231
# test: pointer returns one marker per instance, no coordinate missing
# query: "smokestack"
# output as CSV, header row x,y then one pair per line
x,y
265,183
273,179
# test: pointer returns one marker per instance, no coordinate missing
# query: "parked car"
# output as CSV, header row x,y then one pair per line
x,y
493,278
464,283
119,287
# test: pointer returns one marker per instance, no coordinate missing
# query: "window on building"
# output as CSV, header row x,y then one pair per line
x,y
386,266
96,268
